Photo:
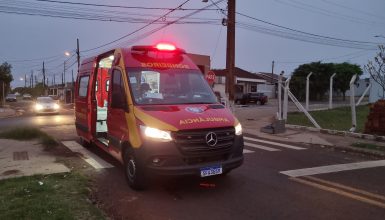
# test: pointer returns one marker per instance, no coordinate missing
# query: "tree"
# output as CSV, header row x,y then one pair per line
x,y
5,78
376,69
319,81
344,73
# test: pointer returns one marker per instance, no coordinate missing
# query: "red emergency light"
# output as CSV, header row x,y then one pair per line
x,y
161,47
165,46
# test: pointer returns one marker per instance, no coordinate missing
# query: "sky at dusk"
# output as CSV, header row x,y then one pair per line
x,y
290,32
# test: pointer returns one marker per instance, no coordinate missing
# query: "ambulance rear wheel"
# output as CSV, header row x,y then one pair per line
x,y
134,171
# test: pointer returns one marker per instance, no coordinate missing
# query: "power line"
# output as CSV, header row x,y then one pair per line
x,y
302,32
151,31
137,30
121,6
308,7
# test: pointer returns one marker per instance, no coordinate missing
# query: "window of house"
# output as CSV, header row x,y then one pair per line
x,y
253,88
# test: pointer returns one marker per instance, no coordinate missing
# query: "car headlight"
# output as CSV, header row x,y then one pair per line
x,y
38,107
238,129
56,106
155,133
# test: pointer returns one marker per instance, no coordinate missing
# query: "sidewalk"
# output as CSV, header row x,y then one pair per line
x,y
6,112
253,119
26,158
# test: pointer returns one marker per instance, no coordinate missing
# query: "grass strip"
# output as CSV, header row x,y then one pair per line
x,y
336,119
56,196
368,146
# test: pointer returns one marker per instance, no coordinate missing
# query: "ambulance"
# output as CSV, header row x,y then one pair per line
x,y
151,108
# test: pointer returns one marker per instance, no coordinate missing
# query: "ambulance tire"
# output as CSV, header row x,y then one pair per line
x,y
134,171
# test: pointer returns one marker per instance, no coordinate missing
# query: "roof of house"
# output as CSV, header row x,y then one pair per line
x,y
238,72
270,77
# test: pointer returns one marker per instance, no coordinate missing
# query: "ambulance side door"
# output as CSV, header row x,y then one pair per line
x,y
117,108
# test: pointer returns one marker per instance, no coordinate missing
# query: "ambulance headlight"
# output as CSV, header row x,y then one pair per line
x,y
238,129
56,106
155,133
38,107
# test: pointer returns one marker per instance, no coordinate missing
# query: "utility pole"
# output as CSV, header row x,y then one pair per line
x,y
272,72
72,77
54,80
230,53
43,77
62,79
31,78
64,73
25,80
78,53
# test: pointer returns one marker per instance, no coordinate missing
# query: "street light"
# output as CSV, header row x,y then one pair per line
x,y
67,54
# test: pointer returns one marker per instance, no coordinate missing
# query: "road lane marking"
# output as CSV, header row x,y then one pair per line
x,y
274,143
334,168
347,188
91,158
260,147
245,151
340,192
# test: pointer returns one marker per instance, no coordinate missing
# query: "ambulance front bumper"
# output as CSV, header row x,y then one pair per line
x,y
167,158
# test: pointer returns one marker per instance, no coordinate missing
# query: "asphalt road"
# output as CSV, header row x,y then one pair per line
x,y
256,190
27,117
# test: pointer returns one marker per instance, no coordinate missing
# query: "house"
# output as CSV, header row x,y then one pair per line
x,y
244,81
202,61
271,86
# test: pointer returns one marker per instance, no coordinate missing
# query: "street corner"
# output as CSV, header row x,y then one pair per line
x,y
27,158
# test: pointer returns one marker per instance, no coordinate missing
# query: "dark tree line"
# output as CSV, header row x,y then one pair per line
x,y
320,79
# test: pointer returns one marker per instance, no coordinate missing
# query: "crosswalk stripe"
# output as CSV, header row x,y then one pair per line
x,y
89,157
334,168
245,151
260,147
274,143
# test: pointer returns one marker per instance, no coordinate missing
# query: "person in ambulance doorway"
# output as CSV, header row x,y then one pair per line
x,y
144,88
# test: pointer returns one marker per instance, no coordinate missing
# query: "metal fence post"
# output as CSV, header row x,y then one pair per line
x,y
352,102
285,98
331,92
279,97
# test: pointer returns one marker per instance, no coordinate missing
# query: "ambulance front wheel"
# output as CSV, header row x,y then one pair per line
x,y
134,171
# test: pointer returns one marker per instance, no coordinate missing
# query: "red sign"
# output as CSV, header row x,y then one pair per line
x,y
210,77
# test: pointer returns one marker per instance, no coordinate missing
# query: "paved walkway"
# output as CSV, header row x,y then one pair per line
x,y
6,112
26,158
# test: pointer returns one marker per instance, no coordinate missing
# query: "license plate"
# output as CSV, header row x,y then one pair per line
x,y
211,171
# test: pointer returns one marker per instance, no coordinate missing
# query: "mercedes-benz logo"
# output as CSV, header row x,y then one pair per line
x,y
211,139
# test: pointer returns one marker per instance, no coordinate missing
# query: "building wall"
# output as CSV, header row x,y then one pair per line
x,y
202,61
361,85
268,89
376,92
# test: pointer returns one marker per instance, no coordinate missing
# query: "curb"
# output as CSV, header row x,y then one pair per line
x,y
339,133
348,134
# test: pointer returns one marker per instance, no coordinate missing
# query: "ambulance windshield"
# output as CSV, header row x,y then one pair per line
x,y
169,86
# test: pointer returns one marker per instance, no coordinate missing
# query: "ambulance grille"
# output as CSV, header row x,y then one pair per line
x,y
193,142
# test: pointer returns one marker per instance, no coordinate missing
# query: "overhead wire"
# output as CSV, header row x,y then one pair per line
x,y
315,9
